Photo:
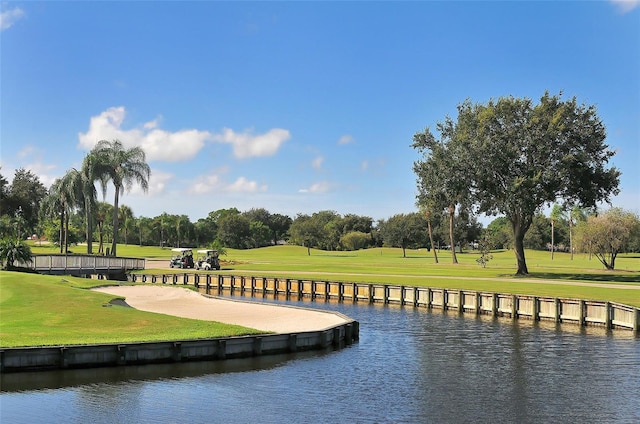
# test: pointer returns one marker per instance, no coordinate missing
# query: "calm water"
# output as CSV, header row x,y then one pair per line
x,y
410,366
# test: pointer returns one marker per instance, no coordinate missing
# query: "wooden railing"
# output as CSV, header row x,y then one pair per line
x,y
582,312
83,264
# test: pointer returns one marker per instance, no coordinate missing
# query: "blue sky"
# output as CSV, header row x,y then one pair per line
x,y
296,107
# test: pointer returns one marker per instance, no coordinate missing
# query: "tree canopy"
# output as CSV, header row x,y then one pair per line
x,y
520,156
122,167
608,234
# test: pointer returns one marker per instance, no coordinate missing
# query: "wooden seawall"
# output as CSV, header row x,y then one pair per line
x,y
574,311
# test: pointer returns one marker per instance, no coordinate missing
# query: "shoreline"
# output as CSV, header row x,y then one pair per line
x,y
288,329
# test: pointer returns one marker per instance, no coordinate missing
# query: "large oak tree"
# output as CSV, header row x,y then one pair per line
x,y
527,155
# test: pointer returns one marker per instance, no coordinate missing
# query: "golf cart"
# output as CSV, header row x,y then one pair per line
x,y
208,260
182,259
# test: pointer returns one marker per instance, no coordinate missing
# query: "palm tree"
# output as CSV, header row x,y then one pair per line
x,y
122,167
102,212
85,194
60,201
14,250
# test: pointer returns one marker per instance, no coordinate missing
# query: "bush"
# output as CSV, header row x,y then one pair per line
x,y
14,250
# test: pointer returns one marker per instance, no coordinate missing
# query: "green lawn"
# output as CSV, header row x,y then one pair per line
x,y
555,278
39,310
560,277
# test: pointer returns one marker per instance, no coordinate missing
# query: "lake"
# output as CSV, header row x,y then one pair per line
x,y
409,366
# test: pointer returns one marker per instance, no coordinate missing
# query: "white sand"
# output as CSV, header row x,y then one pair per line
x,y
186,303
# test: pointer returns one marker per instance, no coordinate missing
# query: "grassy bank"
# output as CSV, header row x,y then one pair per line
x,y
37,310
582,277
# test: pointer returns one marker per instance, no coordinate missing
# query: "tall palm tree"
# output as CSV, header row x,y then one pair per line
x,y
102,211
60,201
122,167
85,194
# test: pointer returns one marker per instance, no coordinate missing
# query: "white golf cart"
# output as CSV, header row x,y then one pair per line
x,y
183,258
208,260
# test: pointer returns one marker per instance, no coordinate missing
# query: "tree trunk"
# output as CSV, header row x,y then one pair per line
x,y
519,231
100,239
66,233
571,237
435,254
89,236
115,222
61,235
552,237
452,211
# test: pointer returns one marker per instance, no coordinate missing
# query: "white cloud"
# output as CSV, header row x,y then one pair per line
x,y
176,146
151,124
213,183
10,17
242,185
625,6
246,145
157,183
319,187
158,144
317,163
364,165
345,139
205,184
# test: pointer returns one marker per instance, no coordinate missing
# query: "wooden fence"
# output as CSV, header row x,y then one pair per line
x,y
83,264
581,312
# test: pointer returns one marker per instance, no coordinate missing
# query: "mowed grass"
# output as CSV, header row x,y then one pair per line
x,y
40,310
560,277
582,277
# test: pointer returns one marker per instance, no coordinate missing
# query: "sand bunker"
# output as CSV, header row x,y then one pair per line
x,y
187,303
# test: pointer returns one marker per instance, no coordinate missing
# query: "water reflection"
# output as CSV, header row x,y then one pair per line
x,y
56,379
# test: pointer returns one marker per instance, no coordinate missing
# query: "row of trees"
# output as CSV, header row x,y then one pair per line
x,y
510,157
27,204
573,230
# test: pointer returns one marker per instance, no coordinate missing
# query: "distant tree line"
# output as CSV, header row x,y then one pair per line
x,y
23,204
